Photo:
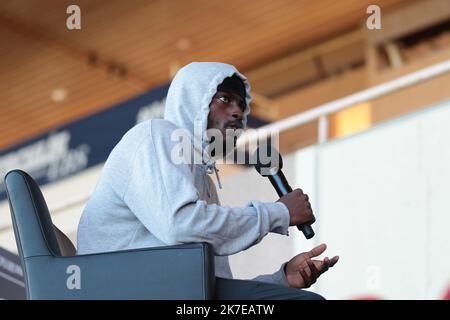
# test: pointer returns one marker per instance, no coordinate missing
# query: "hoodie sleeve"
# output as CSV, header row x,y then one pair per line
x,y
278,277
164,198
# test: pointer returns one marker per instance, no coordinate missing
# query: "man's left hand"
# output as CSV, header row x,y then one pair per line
x,y
302,271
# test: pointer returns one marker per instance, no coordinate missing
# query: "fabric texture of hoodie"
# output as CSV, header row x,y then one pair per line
x,y
145,199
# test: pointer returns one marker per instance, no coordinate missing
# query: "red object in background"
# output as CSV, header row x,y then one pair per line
x,y
447,294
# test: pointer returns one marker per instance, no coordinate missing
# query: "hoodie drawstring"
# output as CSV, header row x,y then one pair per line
x,y
210,167
217,177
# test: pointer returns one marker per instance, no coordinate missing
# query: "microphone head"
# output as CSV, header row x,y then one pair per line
x,y
267,161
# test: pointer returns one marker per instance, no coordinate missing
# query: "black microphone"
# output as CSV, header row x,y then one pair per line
x,y
278,180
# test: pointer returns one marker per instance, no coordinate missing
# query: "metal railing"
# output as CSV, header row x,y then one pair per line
x,y
321,112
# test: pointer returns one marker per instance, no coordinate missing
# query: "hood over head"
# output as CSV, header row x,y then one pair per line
x,y
191,92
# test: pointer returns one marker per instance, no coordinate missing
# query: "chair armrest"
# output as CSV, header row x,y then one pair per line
x,y
171,272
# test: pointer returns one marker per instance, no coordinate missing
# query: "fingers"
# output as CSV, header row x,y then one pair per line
x,y
305,277
312,269
325,265
317,251
334,260
309,274
314,272
299,193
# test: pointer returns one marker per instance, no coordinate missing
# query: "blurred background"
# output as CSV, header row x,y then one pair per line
x,y
360,91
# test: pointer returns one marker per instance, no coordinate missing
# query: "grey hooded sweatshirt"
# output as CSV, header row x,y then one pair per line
x,y
145,199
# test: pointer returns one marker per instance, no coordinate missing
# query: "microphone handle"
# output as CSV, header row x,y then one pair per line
x,y
282,187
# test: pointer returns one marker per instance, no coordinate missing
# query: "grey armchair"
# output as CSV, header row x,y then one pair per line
x,y
52,270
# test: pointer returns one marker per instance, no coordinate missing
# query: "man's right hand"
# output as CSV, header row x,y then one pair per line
x,y
300,211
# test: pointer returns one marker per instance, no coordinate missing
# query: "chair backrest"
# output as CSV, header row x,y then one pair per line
x,y
33,228
46,255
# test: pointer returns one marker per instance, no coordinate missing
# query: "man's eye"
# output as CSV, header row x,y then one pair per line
x,y
224,99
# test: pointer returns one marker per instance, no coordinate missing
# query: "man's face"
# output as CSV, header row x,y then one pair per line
x,y
226,112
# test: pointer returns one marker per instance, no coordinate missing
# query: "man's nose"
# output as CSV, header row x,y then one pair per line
x,y
236,111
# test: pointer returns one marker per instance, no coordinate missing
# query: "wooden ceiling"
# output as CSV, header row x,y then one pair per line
x,y
51,75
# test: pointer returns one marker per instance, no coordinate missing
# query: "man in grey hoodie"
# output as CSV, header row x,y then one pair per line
x,y
144,198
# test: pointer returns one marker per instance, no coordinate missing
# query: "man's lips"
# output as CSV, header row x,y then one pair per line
x,y
234,125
